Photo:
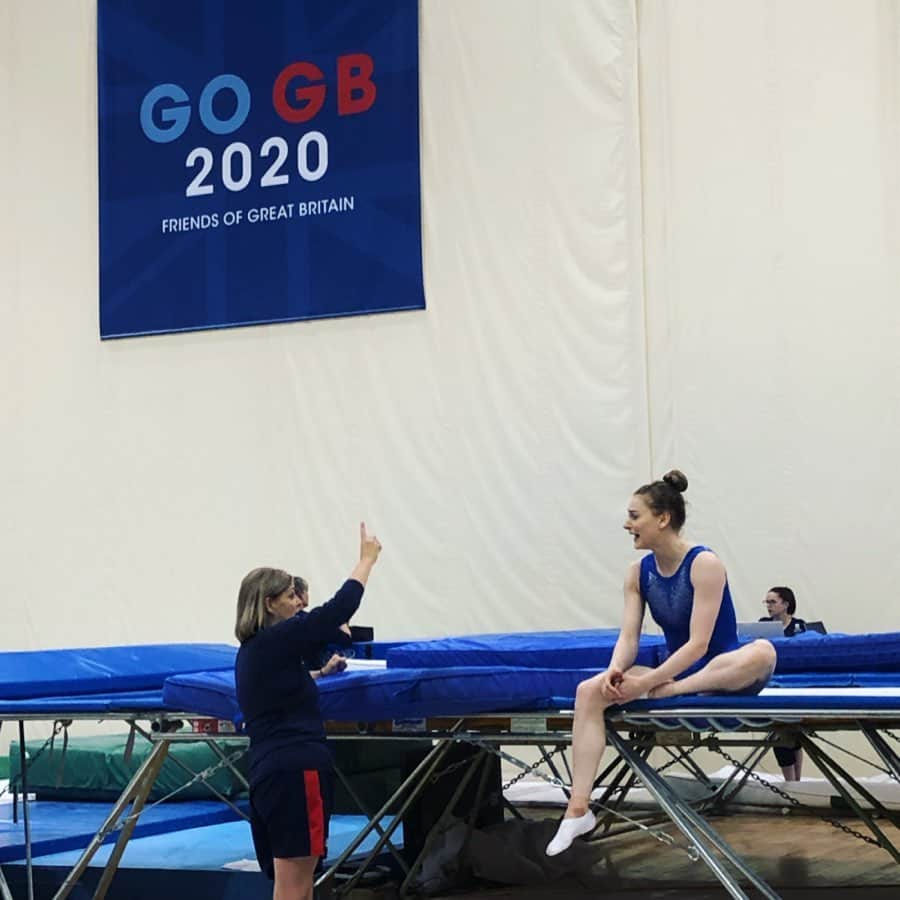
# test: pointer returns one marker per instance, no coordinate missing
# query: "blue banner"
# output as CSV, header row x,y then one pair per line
x,y
259,161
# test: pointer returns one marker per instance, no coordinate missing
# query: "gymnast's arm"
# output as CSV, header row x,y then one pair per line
x,y
708,579
626,648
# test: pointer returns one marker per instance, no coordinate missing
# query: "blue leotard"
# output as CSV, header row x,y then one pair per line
x,y
671,602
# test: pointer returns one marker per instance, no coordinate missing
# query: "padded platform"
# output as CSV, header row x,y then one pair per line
x,y
94,768
57,827
374,695
30,674
123,702
813,652
379,694
584,649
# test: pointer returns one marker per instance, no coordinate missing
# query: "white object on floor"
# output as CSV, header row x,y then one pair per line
x,y
810,791
6,795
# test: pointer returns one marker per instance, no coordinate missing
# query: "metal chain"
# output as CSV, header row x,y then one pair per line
x,y
660,836
668,765
892,735
529,769
200,776
716,747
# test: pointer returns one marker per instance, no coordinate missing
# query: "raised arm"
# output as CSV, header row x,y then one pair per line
x,y
708,579
369,548
322,623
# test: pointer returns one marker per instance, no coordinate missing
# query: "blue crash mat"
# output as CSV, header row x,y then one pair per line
x,y
378,694
102,704
585,649
104,670
57,827
813,652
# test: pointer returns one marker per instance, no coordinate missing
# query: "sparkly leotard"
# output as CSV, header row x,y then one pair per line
x,y
671,602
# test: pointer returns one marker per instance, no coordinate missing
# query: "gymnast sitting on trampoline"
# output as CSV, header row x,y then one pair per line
x,y
686,588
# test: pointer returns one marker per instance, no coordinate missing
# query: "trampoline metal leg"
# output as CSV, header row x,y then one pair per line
x,y
881,747
731,787
362,808
429,763
831,770
142,791
435,831
158,754
4,887
26,819
693,826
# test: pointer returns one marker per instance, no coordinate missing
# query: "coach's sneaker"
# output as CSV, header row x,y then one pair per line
x,y
568,830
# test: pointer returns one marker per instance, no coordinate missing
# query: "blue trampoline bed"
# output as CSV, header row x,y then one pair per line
x,y
494,692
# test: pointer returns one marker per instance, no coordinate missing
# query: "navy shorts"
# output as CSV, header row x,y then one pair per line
x,y
787,756
289,815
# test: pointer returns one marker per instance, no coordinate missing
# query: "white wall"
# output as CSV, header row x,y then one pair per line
x,y
771,141
490,441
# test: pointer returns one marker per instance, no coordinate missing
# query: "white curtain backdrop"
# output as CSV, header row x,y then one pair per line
x,y
771,160
656,234
491,441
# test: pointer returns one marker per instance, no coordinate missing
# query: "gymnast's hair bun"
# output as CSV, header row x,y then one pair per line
x,y
676,479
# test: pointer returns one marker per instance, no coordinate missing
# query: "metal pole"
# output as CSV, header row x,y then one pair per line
x,y
431,762
4,887
108,826
693,826
26,817
142,791
435,831
361,807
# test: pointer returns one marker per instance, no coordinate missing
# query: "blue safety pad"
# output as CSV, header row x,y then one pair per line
x,y
584,649
104,670
205,693
835,679
377,694
57,827
57,707
214,846
813,652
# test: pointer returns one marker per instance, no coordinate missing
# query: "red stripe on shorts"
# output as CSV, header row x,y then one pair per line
x,y
315,813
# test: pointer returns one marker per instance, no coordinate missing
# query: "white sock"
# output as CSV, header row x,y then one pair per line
x,y
568,830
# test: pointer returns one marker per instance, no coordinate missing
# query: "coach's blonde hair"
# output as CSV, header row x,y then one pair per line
x,y
258,586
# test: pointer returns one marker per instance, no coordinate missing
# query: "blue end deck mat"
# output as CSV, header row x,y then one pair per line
x,y
28,674
581,649
378,694
57,827
212,846
813,652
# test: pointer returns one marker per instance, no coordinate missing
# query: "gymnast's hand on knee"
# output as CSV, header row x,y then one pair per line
x,y
633,687
609,684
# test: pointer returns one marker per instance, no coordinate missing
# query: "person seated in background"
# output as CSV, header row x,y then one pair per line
x,y
781,604
317,658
